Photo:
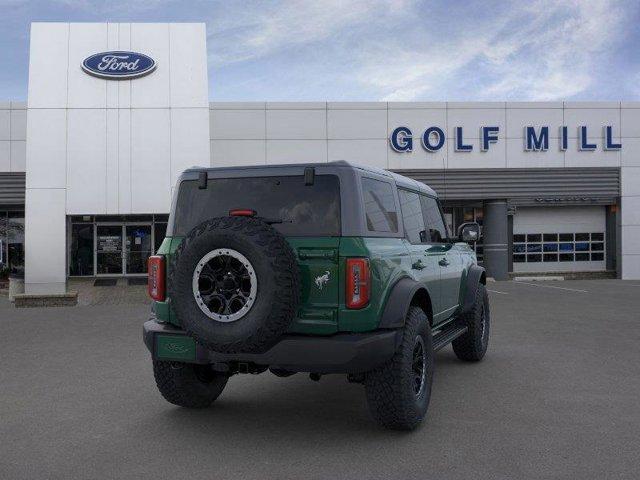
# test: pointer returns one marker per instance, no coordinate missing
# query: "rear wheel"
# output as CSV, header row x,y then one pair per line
x,y
398,392
188,385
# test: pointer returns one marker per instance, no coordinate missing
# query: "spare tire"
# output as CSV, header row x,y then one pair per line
x,y
234,284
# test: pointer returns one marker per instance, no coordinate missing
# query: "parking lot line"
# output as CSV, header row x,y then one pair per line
x,y
496,291
551,286
618,283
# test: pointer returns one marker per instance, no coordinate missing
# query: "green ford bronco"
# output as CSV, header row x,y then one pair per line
x,y
318,268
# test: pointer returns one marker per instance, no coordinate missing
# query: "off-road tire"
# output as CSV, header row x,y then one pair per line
x,y
188,385
472,346
389,388
278,283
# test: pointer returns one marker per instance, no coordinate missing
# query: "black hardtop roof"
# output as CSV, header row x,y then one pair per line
x,y
266,170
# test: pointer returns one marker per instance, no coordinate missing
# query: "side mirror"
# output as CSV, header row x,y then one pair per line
x,y
469,232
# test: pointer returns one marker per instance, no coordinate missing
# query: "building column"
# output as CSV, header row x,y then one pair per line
x,y
496,239
629,266
45,241
610,238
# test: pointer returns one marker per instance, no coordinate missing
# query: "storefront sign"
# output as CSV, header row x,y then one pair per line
x,y
118,65
535,139
109,243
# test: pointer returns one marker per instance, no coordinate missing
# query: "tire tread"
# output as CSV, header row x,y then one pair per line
x,y
179,385
391,401
470,347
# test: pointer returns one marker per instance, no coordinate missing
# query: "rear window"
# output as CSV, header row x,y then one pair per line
x,y
379,206
306,211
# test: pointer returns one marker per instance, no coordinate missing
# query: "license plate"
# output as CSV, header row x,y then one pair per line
x,y
175,347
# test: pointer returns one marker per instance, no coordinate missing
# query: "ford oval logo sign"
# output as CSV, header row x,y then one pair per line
x,y
118,65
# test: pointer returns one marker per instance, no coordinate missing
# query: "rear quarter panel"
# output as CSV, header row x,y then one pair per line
x,y
162,310
389,262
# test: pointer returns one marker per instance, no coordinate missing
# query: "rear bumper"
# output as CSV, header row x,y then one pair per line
x,y
339,353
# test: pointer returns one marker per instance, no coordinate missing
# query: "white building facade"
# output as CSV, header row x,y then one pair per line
x,y
555,184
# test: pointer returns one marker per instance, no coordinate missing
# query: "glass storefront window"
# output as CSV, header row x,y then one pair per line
x,y
563,246
15,242
138,245
109,249
159,234
82,219
4,266
81,254
119,246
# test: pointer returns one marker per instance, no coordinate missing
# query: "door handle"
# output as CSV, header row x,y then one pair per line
x,y
444,262
417,265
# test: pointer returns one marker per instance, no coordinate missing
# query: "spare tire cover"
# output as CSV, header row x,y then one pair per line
x,y
234,284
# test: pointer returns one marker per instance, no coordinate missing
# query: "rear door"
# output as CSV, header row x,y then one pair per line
x,y
425,266
307,214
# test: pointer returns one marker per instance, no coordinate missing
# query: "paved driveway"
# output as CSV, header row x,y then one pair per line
x,y
558,396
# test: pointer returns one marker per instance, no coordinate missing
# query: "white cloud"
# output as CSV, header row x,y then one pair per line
x,y
546,51
103,7
562,57
402,49
241,34
405,50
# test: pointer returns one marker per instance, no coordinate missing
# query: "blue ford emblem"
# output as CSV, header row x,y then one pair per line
x,y
118,65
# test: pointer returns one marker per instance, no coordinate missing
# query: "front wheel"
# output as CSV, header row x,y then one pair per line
x,y
398,392
472,346
188,385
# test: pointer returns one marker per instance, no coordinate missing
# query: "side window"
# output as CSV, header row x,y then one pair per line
x,y
379,206
412,216
436,231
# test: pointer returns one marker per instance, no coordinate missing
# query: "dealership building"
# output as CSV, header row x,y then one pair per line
x,y
116,111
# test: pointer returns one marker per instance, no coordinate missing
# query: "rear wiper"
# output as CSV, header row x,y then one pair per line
x,y
271,221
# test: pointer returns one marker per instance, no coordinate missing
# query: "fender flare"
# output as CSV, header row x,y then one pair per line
x,y
475,277
399,301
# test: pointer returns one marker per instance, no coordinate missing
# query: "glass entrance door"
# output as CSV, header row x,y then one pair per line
x,y
109,250
138,248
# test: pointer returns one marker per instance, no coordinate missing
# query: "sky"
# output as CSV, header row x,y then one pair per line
x,y
377,50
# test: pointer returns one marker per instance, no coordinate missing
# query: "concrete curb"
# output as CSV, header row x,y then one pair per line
x,y
539,279
68,299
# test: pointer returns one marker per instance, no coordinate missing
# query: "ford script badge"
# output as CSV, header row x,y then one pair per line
x,y
118,65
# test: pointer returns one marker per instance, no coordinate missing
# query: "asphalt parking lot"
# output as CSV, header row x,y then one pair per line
x,y
557,396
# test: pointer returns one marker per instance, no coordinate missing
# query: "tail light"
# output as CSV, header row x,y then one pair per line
x,y
156,270
358,283
242,212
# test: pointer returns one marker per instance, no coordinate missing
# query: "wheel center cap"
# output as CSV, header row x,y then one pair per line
x,y
224,285
229,283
